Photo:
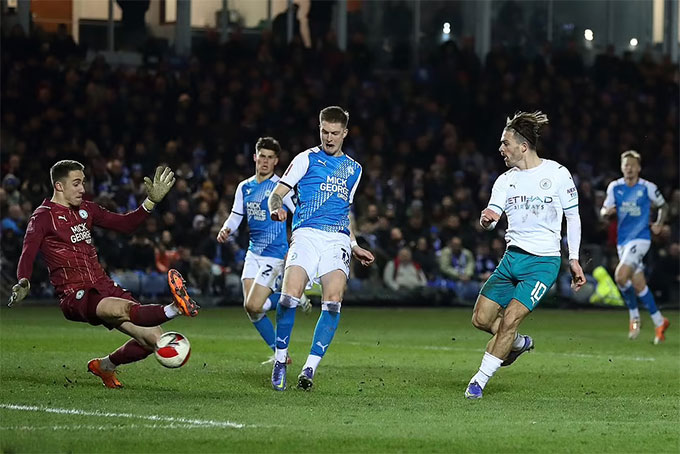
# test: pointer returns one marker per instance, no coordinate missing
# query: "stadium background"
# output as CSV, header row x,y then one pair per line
x,y
426,114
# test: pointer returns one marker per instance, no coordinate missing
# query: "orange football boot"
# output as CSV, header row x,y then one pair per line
x,y
180,296
108,377
660,330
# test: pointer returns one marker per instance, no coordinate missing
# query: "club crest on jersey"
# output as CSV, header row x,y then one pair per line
x,y
639,193
350,170
83,214
545,184
80,294
267,192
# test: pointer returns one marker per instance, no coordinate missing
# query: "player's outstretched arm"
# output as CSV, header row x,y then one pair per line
x,y
158,188
19,292
488,219
364,256
275,203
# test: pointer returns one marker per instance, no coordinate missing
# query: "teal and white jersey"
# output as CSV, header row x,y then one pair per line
x,y
632,207
267,238
535,201
325,188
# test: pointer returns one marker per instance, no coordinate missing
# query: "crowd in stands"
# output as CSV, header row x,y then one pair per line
x,y
427,140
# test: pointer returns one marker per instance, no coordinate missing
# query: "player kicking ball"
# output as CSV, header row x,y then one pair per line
x,y
534,194
268,245
60,229
630,199
322,244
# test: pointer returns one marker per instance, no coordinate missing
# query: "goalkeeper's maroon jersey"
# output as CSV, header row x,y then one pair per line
x,y
63,235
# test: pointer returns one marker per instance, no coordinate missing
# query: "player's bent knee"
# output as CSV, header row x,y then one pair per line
x,y
288,301
253,306
480,323
331,306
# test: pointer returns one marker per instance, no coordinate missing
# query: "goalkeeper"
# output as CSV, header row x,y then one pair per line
x,y
60,228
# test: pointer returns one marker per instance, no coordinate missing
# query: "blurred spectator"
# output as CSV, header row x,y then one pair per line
x,y
457,265
403,273
14,220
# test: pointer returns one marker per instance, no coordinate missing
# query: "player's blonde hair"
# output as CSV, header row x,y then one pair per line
x,y
528,125
631,154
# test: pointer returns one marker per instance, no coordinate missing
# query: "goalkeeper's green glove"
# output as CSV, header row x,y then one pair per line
x,y
19,291
163,181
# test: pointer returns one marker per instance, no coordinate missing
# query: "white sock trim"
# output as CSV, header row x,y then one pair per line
x,y
634,313
643,292
313,362
171,311
281,354
106,364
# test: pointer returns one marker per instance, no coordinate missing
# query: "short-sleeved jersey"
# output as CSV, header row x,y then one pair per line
x,y
325,188
534,201
63,235
267,238
632,207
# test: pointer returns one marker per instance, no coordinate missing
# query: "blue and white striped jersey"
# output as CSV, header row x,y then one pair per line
x,y
633,204
325,188
267,238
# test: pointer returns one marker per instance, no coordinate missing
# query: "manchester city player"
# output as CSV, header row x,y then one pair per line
x,y
534,194
323,242
263,267
630,199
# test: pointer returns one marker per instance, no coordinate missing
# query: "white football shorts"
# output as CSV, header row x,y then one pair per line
x,y
319,252
267,271
633,252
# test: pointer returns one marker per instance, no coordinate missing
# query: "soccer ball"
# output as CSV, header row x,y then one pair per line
x,y
173,349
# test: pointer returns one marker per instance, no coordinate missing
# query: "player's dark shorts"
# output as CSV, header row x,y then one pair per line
x,y
80,305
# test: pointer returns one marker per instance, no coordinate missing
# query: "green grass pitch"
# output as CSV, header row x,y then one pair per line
x,y
393,381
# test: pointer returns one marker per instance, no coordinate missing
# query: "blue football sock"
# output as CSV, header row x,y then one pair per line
x,y
628,294
266,329
324,332
648,300
273,301
285,318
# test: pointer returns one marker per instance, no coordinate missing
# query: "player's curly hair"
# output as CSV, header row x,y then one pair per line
x,y
269,143
528,125
334,114
61,169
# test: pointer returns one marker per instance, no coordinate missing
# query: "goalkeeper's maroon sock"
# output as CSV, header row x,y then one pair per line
x,y
148,315
130,352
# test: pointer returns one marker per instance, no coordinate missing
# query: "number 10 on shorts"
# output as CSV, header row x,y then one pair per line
x,y
538,292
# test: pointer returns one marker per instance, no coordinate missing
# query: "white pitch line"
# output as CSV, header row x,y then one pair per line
x,y
169,419
101,428
478,350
